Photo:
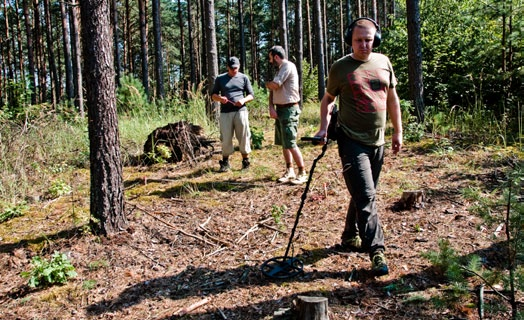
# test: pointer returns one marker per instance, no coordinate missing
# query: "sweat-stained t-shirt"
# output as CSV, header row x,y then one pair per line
x,y
362,89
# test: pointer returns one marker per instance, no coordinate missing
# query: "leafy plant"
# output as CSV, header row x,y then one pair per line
x,y
257,137
310,82
58,188
163,151
413,130
45,273
12,212
277,212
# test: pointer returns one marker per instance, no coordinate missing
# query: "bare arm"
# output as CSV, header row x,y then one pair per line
x,y
272,111
219,98
326,106
393,107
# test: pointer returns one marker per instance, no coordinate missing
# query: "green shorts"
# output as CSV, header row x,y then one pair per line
x,y
286,127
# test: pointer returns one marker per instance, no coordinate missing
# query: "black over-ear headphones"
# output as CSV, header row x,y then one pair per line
x,y
349,32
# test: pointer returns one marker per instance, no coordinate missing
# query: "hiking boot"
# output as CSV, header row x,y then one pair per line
x,y
224,166
288,176
300,179
352,244
245,164
379,264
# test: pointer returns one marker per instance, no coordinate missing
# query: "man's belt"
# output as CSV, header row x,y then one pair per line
x,y
287,105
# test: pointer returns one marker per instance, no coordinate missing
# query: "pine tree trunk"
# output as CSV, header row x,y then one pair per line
x,y
143,44
415,58
159,60
77,57
107,190
68,64
56,91
30,50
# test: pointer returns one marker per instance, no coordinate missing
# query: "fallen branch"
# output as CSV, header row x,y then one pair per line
x,y
192,307
486,281
172,226
252,229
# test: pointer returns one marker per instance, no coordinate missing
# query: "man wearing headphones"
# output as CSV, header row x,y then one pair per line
x,y
364,82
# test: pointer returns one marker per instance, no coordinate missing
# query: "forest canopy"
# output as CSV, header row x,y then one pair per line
x,y
471,50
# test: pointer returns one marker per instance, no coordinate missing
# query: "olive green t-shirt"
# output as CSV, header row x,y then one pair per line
x,y
362,89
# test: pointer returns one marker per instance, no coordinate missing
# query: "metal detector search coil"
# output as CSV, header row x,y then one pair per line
x,y
287,267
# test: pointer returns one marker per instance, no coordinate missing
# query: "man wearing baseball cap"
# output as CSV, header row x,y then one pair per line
x,y
233,90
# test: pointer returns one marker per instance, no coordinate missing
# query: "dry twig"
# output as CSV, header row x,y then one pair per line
x,y
192,307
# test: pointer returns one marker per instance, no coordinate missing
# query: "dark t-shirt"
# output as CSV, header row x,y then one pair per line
x,y
362,89
234,89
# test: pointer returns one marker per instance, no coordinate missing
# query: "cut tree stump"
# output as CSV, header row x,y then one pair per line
x,y
312,308
176,142
413,199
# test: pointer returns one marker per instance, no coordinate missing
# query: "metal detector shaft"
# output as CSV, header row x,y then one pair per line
x,y
304,196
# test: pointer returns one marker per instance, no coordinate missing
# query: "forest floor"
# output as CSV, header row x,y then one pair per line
x,y
197,239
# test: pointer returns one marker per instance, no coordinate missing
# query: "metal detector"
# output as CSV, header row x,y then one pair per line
x,y
285,267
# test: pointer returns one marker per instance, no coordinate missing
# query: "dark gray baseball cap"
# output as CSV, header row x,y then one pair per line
x,y
233,62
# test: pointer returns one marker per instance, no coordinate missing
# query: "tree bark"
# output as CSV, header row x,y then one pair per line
x,y
66,43
39,54
309,36
128,52
192,53
143,44
320,49
116,40
299,35
416,86
212,58
77,58
56,91
183,71
312,308
107,190
159,60
30,50
283,35
241,36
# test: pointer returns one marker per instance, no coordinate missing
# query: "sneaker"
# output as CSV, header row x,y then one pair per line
x,y
224,166
300,179
245,164
378,264
288,176
352,244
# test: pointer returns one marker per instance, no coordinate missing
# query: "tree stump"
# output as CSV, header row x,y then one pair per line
x,y
175,142
312,308
412,199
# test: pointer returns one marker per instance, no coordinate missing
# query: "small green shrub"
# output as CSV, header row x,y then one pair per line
x,y
450,265
130,96
58,188
45,273
12,212
277,212
257,138
309,82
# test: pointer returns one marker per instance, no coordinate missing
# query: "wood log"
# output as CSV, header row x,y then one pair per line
x,y
312,308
